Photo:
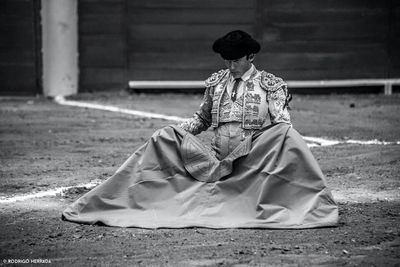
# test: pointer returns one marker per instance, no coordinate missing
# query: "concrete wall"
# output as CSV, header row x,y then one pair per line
x,y
60,47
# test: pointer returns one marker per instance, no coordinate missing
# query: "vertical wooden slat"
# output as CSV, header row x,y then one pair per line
x,y
328,34
127,40
393,40
103,44
258,20
38,47
19,57
172,39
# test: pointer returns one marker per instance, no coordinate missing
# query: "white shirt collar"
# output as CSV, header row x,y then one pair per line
x,y
247,74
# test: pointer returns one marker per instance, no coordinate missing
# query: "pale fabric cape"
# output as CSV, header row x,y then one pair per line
x,y
271,180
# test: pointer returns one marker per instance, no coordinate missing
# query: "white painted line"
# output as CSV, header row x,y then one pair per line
x,y
51,192
363,195
372,142
317,141
341,196
61,100
292,84
313,141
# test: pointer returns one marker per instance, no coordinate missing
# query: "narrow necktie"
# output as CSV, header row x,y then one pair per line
x,y
235,89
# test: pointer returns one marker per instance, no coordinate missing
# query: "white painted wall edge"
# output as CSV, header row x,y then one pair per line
x,y
292,84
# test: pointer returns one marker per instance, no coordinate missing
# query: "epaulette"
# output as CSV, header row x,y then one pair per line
x,y
215,78
270,82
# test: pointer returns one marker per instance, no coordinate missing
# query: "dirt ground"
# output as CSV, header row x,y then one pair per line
x,y
44,145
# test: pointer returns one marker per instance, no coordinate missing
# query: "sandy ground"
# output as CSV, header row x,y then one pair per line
x,y
44,146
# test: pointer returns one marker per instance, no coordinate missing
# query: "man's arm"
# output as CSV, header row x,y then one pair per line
x,y
201,120
278,105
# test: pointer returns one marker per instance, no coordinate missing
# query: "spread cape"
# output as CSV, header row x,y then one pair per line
x,y
271,180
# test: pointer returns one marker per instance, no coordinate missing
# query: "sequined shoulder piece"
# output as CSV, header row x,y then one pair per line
x,y
270,82
215,78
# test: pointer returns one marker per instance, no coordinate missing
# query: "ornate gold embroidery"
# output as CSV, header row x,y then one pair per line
x,y
253,98
231,111
215,78
201,120
250,86
277,106
277,100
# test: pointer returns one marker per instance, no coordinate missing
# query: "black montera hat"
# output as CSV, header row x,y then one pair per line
x,y
236,44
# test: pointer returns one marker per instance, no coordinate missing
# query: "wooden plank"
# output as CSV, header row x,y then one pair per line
x,y
15,56
166,75
322,74
17,8
17,32
395,72
102,51
395,22
103,7
182,32
305,74
325,38
13,23
171,46
322,46
17,78
173,61
101,24
395,55
171,39
319,60
102,44
396,29
288,61
102,79
191,4
100,56
18,58
327,16
372,31
172,73
191,16
321,5
101,2
394,39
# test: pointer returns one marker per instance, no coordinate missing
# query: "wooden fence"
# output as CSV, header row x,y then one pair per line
x,y
170,40
20,67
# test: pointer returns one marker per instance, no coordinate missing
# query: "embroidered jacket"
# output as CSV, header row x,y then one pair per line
x,y
265,95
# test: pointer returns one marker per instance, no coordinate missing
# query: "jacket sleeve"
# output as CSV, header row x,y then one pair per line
x,y
278,104
201,120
